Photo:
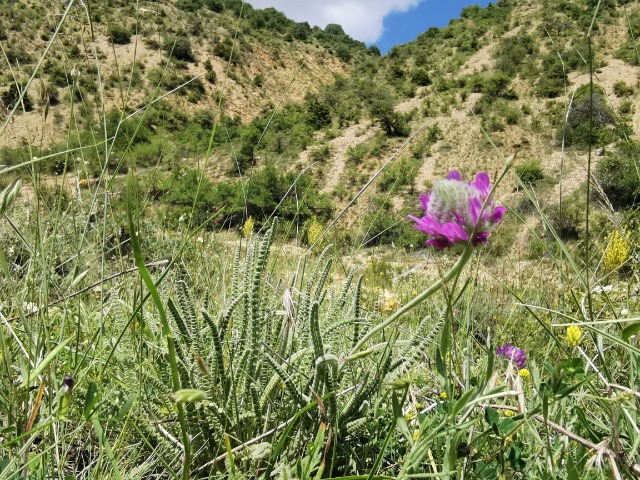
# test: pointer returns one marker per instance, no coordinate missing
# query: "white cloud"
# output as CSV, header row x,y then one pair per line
x,y
361,19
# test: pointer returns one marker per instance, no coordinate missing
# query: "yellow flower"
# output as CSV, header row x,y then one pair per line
x,y
409,416
443,395
416,435
574,335
524,373
314,230
508,413
247,228
617,250
389,302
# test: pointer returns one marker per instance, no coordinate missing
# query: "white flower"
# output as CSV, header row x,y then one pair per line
x,y
624,312
30,307
200,240
600,289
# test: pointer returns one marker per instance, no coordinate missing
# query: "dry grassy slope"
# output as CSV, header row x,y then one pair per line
x,y
289,72
466,148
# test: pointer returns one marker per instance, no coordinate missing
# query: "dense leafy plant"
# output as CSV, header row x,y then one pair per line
x,y
119,34
619,176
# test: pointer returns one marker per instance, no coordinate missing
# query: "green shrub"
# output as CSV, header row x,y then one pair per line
x,y
553,79
420,77
119,34
179,47
321,153
568,223
398,175
529,172
580,130
514,52
301,31
628,51
626,107
10,97
619,175
318,112
621,89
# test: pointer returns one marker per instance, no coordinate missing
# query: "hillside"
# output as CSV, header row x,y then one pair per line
x,y
217,85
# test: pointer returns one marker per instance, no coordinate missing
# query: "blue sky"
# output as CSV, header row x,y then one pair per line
x,y
379,22
403,27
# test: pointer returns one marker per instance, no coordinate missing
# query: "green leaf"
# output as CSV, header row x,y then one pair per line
x,y
9,194
506,426
45,361
189,395
400,420
462,401
630,331
440,363
486,471
90,399
492,417
4,266
79,278
126,407
572,471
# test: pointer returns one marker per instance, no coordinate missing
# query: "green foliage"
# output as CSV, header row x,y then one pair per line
x,y
553,78
619,175
319,113
11,96
398,175
529,172
568,221
628,51
621,89
514,53
179,47
119,34
589,122
420,77
301,31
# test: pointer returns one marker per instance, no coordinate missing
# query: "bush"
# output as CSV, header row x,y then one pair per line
x,y
318,113
11,96
568,223
398,175
621,89
420,77
179,47
551,82
301,31
618,175
529,172
580,131
119,34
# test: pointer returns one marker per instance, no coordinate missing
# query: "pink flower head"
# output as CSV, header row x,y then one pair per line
x,y
453,209
513,353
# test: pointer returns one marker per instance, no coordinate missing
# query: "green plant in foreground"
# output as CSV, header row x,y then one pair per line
x,y
254,365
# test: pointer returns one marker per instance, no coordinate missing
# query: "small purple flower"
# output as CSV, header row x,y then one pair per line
x,y
513,353
452,210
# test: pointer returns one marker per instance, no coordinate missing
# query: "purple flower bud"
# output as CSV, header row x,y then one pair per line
x,y
511,352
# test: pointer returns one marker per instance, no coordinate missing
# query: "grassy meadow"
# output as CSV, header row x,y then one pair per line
x,y
207,269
